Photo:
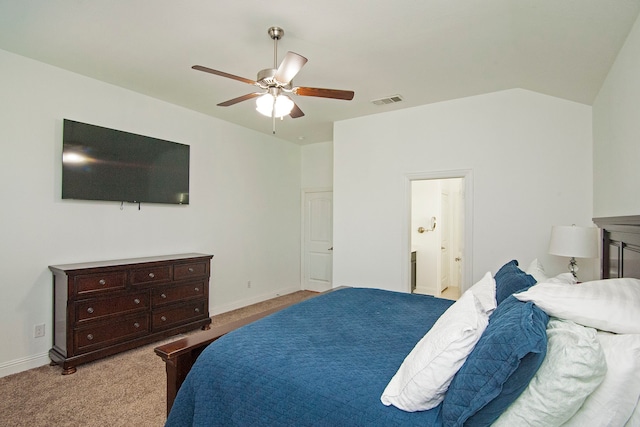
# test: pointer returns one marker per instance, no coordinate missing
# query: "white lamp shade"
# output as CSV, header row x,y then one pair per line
x,y
573,241
281,107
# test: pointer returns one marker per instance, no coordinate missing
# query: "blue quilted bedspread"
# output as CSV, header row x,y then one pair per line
x,y
322,362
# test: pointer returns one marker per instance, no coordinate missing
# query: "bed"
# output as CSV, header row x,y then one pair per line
x,y
358,356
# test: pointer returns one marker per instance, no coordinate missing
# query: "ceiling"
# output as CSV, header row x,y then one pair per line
x,y
424,50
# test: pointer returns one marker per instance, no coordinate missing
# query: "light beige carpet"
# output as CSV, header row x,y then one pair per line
x,y
128,389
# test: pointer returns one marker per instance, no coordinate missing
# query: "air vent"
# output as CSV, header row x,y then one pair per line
x,y
388,100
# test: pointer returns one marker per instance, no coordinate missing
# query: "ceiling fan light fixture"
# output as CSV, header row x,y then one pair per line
x,y
273,82
269,106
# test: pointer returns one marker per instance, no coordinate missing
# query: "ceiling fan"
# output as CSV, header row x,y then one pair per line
x,y
276,83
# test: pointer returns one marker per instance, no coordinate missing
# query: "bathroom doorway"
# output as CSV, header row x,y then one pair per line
x,y
438,236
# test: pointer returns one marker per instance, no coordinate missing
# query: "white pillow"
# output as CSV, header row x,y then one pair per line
x,y
573,367
485,290
424,377
613,402
634,421
536,270
610,305
566,278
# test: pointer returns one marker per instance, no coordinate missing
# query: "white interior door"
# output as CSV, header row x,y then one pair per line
x,y
457,234
445,239
317,257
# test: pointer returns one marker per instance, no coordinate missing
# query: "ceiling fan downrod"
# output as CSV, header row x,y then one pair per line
x,y
276,33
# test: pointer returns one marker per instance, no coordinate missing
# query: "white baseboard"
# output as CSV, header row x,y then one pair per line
x,y
319,288
24,364
37,360
424,291
253,300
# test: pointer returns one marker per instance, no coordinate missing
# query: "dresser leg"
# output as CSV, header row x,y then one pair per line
x,y
68,371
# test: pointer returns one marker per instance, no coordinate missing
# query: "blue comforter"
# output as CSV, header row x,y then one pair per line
x,y
322,362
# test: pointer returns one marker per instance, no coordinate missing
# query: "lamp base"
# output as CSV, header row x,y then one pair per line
x,y
573,267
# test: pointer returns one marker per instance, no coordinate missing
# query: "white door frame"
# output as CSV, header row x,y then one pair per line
x,y
467,256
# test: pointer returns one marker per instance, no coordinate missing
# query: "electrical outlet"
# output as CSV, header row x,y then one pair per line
x,y
38,331
249,284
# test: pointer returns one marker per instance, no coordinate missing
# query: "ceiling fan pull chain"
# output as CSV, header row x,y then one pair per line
x,y
273,114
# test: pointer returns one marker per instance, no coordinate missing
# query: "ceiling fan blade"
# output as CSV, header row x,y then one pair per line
x,y
223,74
296,111
289,67
239,99
347,95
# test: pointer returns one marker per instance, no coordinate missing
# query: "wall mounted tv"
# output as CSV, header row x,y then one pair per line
x,y
106,164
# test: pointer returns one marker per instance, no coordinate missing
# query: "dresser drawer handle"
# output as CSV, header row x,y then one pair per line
x,y
197,310
196,289
90,337
152,275
163,296
137,301
136,325
90,310
190,269
102,282
164,319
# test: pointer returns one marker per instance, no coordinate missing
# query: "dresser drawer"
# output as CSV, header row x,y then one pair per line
x,y
105,307
171,294
145,276
113,332
91,283
171,316
188,271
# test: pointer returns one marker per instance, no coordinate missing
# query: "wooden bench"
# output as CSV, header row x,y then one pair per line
x,y
180,355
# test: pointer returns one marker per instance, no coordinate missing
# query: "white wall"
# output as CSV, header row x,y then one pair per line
x,y
245,201
616,134
317,165
531,162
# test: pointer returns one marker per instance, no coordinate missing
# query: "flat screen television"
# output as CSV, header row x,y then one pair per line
x,y
106,164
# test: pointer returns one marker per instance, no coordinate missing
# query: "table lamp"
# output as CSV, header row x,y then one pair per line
x,y
575,242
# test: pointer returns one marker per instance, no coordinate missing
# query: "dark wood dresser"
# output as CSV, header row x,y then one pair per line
x,y
106,307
